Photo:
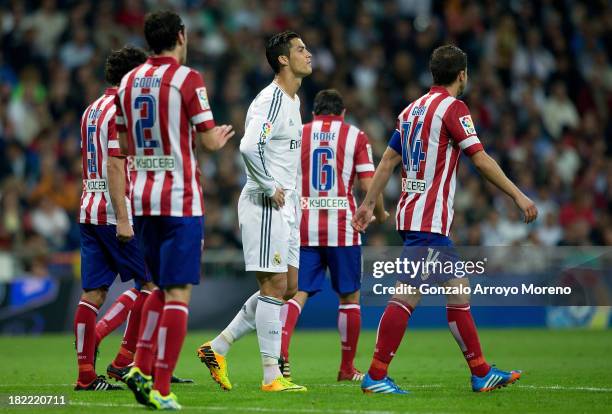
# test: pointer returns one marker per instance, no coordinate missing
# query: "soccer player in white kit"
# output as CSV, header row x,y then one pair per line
x,y
268,211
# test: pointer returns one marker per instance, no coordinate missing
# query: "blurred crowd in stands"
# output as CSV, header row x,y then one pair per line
x,y
540,94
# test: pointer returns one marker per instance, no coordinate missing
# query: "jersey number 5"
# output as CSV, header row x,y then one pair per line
x,y
412,147
144,136
323,174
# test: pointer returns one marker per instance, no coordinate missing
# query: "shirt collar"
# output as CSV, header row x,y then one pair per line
x,y
110,91
162,60
328,118
439,89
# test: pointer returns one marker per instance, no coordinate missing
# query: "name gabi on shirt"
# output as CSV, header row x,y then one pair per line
x,y
146,82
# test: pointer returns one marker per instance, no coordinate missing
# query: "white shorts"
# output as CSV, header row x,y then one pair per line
x,y
270,236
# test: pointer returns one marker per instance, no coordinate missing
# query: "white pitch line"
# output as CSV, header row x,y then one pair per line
x,y
419,386
234,409
564,388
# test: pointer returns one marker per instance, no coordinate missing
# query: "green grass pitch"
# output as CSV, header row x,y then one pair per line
x,y
564,372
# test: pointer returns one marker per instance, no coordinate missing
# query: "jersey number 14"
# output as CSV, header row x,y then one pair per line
x,y
412,147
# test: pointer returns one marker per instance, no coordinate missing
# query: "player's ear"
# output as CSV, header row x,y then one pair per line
x,y
181,37
283,60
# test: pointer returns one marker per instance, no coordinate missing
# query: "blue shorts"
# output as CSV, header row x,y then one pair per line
x,y
422,246
172,248
103,256
344,265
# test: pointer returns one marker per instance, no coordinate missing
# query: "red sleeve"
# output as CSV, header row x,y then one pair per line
x,y
459,124
114,150
364,164
195,99
119,119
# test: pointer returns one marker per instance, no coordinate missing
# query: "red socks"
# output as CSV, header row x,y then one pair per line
x,y
349,325
290,312
85,335
151,316
125,356
116,314
463,329
172,331
390,333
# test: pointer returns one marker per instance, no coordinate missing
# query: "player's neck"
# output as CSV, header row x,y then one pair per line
x,y
175,54
288,83
453,90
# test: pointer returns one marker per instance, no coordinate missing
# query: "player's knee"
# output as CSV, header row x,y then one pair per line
x,y
290,292
273,285
352,297
457,299
95,296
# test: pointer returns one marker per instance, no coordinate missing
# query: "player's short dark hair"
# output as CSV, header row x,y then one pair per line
x,y
161,29
328,102
445,64
121,61
279,45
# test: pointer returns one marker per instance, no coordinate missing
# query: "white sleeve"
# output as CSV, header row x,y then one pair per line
x,y
253,145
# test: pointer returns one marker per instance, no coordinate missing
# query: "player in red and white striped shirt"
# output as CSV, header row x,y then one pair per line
x,y
430,136
162,108
334,153
102,255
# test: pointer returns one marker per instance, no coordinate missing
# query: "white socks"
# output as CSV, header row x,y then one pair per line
x,y
269,329
242,324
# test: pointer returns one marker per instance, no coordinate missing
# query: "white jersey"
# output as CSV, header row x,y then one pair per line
x,y
272,140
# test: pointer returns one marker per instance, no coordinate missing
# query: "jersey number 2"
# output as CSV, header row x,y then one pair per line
x,y
144,136
323,174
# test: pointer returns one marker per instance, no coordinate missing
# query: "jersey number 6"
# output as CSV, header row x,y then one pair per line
x,y
323,174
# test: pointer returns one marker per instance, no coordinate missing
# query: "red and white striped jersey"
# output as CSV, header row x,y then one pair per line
x,y
333,153
433,130
98,142
161,104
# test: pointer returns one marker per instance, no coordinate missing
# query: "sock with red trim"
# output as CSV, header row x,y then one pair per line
x,y
150,319
85,337
461,325
116,314
290,312
172,331
349,325
125,356
391,330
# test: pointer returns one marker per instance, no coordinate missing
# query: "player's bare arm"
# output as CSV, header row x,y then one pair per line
x,y
364,213
490,170
214,139
116,184
380,214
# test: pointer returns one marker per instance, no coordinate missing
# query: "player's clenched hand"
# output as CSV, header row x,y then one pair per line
x,y
279,197
528,207
125,233
362,217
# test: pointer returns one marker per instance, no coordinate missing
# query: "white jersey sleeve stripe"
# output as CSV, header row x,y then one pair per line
x,y
203,117
364,168
468,142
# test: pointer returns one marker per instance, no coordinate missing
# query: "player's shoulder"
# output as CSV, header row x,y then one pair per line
x,y
185,77
268,101
456,107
